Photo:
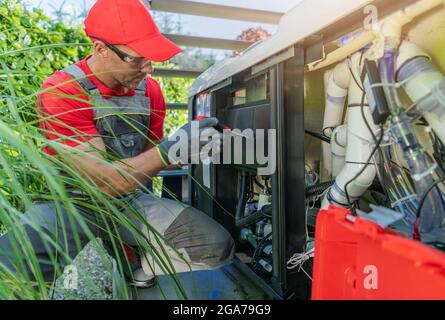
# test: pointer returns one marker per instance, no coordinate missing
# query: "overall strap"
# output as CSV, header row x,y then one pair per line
x,y
142,88
81,78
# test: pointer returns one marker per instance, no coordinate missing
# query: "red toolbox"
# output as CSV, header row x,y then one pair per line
x,y
356,259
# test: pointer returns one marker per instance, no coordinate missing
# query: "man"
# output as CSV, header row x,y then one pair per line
x,y
106,106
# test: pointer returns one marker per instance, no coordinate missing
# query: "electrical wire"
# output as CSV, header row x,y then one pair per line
x,y
263,186
265,214
377,147
362,111
259,248
267,183
353,75
319,136
317,189
298,259
439,150
425,195
250,191
259,184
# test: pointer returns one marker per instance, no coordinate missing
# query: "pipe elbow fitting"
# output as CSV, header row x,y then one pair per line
x,y
356,188
341,75
392,28
367,177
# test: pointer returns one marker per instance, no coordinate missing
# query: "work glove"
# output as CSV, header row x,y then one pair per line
x,y
187,144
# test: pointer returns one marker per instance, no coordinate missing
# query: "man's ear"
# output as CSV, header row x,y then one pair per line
x,y
100,49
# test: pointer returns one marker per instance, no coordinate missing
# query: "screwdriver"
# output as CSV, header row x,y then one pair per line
x,y
221,127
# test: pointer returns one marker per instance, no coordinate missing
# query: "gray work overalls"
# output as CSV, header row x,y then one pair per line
x,y
123,122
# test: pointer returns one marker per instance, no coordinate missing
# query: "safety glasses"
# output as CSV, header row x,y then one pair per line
x,y
136,61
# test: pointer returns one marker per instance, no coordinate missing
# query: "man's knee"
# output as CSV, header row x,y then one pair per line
x,y
204,240
223,248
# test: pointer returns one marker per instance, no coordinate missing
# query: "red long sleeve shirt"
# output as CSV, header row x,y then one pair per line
x,y
65,111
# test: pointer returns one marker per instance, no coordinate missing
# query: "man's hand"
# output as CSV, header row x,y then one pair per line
x,y
116,178
124,176
186,137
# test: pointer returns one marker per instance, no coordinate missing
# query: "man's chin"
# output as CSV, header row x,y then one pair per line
x,y
132,84
130,87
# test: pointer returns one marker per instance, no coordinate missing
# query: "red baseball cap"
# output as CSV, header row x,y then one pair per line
x,y
129,22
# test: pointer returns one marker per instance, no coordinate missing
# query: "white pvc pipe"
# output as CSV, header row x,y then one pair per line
x,y
358,149
343,52
338,149
422,84
337,90
326,79
421,7
390,27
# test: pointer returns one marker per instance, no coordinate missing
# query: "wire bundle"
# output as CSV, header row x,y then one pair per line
x,y
298,260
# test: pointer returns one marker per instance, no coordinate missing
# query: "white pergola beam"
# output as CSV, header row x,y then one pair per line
x,y
216,11
212,43
176,73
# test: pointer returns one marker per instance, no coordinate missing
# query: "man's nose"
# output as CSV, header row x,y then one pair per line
x,y
147,67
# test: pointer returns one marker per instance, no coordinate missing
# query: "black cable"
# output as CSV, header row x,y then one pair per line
x,y
355,80
264,212
260,244
250,191
320,136
268,186
262,187
361,58
423,199
377,145
353,75
364,168
362,110
422,122
318,189
400,167
439,150
359,174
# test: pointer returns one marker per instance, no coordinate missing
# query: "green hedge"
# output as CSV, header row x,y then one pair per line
x,y
32,47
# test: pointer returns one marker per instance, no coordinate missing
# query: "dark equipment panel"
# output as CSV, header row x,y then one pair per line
x,y
273,99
